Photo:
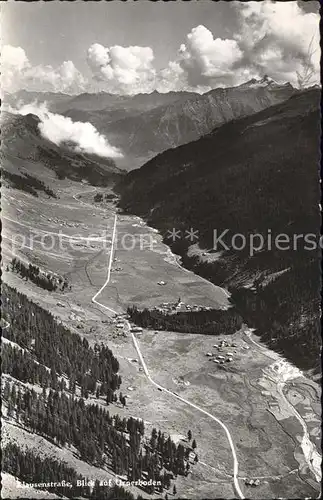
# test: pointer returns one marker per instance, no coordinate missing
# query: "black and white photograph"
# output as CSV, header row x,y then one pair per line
x,y
161,250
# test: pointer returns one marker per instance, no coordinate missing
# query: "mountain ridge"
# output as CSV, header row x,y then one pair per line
x,y
143,125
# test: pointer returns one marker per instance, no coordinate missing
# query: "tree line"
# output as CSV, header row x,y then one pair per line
x,y
213,322
27,183
31,468
44,280
285,313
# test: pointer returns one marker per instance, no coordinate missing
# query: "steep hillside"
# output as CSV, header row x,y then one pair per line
x,y
25,152
258,174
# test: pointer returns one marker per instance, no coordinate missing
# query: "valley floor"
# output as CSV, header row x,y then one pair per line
x,y
271,410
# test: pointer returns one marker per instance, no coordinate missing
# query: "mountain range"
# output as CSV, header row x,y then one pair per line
x,y
147,124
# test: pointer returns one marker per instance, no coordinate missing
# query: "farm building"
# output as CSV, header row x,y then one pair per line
x,y
136,329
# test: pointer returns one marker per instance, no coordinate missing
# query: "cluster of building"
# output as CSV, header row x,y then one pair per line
x,y
119,321
136,329
221,347
61,222
118,268
179,306
252,482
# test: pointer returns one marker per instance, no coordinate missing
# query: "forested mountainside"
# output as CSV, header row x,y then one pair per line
x,y
57,386
258,174
26,152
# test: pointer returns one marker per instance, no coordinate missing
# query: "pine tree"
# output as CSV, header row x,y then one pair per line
x,y
6,391
194,444
174,490
189,435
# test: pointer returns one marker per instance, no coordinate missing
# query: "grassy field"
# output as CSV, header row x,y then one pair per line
x,y
267,448
265,431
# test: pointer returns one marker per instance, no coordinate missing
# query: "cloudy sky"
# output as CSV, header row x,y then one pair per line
x,y
143,46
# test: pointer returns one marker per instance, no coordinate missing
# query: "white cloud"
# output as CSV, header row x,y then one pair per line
x,y
274,38
13,62
202,63
65,78
14,57
17,73
172,78
127,70
61,129
207,59
280,39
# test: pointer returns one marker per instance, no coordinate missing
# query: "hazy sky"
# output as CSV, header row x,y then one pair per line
x,y
139,46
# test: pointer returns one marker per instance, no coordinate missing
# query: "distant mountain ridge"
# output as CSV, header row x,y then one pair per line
x,y
143,134
147,124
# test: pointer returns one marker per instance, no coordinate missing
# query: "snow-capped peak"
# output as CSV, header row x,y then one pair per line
x,y
262,82
265,81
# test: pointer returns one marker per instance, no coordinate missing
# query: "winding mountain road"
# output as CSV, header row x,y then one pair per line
x,y
164,389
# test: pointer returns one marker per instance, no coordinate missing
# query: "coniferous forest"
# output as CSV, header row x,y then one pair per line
x,y
30,468
214,322
48,281
27,183
65,372
52,345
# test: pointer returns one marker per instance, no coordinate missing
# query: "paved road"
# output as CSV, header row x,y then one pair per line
x,y
75,196
109,271
164,389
